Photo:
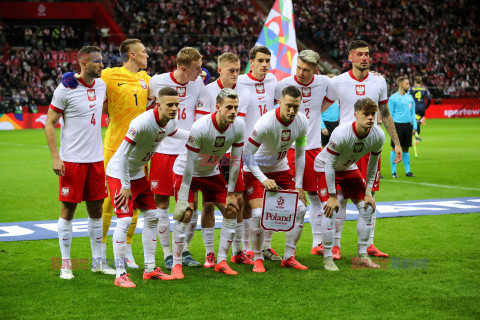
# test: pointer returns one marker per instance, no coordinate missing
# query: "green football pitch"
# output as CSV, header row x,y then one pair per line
x,y
440,278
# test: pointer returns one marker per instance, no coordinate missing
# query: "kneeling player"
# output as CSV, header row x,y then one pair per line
x,y
131,190
336,165
266,166
210,138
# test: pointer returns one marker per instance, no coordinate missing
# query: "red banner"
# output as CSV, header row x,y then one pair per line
x,y
454,108
18,121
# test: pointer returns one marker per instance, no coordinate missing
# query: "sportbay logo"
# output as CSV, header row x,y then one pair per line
x,y
358,147
182,92
306,92
260,88
154,184
219,142
65,191
143,84
360,89
276,217
91,95
286,135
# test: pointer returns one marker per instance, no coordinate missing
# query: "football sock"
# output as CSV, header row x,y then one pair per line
x,y
237,238
293,235
316,214
267,239
257,234
64,228
246,234
178,236
227,232
95,234
364,226
192,226
340,219
372,234
164,232
393,164
208,235
119,243
149,235
406,161
328,233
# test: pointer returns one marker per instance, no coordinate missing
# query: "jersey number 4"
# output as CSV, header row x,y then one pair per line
x,y
93,120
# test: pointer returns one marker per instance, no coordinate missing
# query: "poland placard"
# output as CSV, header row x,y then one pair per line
x,y
279,210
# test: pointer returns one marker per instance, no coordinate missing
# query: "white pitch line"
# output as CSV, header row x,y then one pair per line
x,y
432,185
23,145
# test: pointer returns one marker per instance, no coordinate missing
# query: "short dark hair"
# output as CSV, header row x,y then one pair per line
x,y
367,105
291,91
355,44
167,91
125,48
253,52
85,51
400,80
418,79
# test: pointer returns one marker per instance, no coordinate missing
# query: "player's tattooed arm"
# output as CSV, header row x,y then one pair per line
x,y
390,126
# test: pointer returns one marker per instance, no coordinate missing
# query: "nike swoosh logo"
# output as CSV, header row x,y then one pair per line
x,y
182,100
178,242
120,242
66,239
92,106
121,84
259,234
229,240
99,238
261,98
154,240
329,229
163,230
306,101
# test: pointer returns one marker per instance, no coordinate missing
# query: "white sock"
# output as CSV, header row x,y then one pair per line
x,y
119,243
64,228
95,233
104,251
372,234
316,215
164,232
364,226
328,233
257,234
178,236
340,220
246,234
267,239
208,235
227,232
293,235
149,236
237,239
128,252
192,226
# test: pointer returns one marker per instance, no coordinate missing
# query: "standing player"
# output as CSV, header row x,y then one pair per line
x,y
266,166
185,79
261,86
348,87
336,165
79,164
420,94
210,138
128,183
402,108
313,88
229,69
127,92
330,120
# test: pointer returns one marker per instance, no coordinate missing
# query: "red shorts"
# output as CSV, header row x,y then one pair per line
x,y
350,182
362,165
309,179
239,186
82,182
142,196
283,179
162,178
214,188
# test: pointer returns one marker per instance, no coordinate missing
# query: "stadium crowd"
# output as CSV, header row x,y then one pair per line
x,y
438,42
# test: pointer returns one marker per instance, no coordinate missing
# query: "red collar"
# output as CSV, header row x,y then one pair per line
x,y
279,118
157,118
305,85
356,133
215,124
175,80
221,86
250,75
85,84
354,78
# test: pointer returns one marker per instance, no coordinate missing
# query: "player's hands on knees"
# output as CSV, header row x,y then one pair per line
x,y
270,185
369,201
232,201
180,209
187,216
122,198
301,195
325,132
58,167
332,204
398,154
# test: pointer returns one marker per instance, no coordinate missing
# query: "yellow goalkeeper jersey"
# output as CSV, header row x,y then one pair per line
x,y
127,94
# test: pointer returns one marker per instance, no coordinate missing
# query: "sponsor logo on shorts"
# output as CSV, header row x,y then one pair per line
x,y
358,147
65,191
306,92
360,89
219,142
143,84
91,95
182,92
286,135
154,184
260,88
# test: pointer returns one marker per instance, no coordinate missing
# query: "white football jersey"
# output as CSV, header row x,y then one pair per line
x,y
211,144
274,139
207,101
188,95
146,134
262,98
347,90
81,130
349,148
312,97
